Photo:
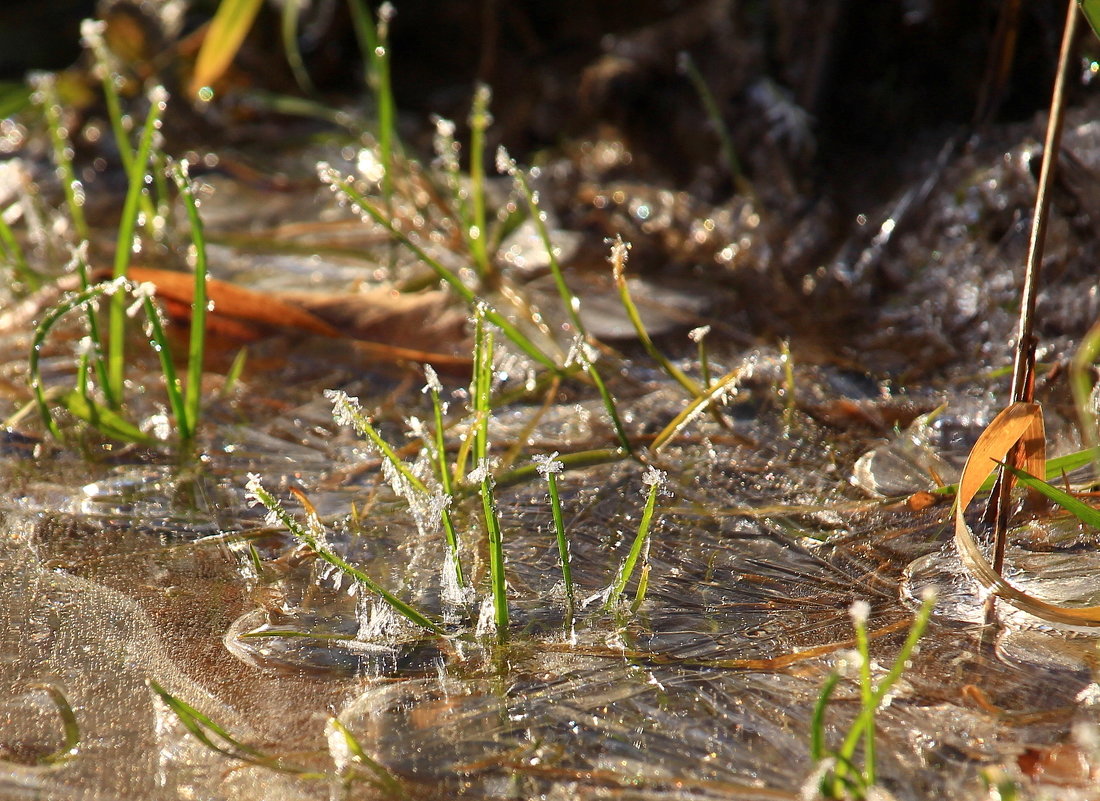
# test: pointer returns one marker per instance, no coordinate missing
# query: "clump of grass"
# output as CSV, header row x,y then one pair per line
x,y
841,776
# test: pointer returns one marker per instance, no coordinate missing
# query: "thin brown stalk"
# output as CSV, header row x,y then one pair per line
x,y
1024,359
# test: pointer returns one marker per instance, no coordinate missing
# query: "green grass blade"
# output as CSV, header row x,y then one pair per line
x,y
619,250
292,11
714,392
168,369
818,751
217,739
102,418
477,233
70,727
46,97
197,344
655,479
866,717
260,495
1080,380
116,330
1085,513
384,780
223,39
13,253
49,320
482,409
550,466
373,41
434,388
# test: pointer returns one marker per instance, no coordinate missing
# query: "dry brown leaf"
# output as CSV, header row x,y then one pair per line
x,y
1019,423
386,324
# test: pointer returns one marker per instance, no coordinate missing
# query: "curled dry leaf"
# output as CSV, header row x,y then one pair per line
x,y
1020,423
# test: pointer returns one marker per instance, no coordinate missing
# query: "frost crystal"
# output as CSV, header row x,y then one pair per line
x,y
548,463
697,334
619,252
506,165
581,353
859,611
158,95
653,477
140,292
432,378
344,407
253,490
91,33
486,619
85,347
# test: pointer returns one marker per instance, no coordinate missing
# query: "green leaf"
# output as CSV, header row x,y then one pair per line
x,y
1081,510
1091,10
223,39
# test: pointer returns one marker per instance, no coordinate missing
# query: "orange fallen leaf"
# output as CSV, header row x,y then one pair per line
x,y
384,324
1019,423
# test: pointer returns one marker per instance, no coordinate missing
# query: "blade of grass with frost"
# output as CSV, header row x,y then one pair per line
x,y
549,467
698,406
167,367
384,780
860,610
654,479
699,337
480,119
865,721
91,37
346,410
277,513
196,349
217,739
374,45
116,331
482,408
343,186
67,304
95,356
508,166
434,388
45,96
619,250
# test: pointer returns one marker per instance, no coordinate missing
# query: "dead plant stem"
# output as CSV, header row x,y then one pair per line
x,y
1024,359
